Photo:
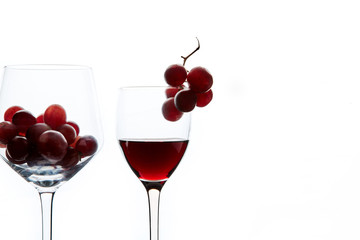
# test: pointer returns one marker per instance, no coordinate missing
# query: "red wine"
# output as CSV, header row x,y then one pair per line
x,y
153,160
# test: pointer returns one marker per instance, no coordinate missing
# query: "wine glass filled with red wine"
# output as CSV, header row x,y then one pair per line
x,y
153,136
49,127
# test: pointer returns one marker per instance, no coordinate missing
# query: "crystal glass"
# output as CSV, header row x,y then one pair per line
x,y
152,145
51,127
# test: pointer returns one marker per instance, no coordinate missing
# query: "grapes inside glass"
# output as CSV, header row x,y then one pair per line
x,y
152,145
50,128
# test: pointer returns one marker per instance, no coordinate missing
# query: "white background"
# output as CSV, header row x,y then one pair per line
x,y
276,155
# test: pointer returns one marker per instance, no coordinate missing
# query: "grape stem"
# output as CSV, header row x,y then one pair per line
x,y
185,58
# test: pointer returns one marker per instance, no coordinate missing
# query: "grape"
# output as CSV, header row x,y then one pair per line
x,y
86,145
71,158
40,118
34,155
23,120
199,79
185,100
204,99
33,133
170,112
68,132
7,132
18,148
14,160
55,116
175,75
52,145
9,113
172,91
35,159
75,126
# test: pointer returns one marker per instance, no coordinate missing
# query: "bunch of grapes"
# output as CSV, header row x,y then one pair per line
x,y
181,98
48,139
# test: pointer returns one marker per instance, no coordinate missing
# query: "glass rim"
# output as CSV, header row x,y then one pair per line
x,y
47,67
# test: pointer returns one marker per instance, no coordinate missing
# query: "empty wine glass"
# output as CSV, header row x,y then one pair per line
x,y
51,127
152,145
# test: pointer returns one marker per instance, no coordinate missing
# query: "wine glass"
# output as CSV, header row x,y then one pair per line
x,y
153,146
51,127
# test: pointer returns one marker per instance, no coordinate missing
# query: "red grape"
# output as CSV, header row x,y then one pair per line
x,y
23,120
55,116
68,132
33,133
71,158
204,99
7,132
18,148
52,145
169,110
14,160
185,100
9,113
175,75
35,159
199,79
75,126
40,118
172,91
86,145
33,156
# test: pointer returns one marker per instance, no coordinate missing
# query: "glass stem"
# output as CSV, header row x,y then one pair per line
x,y
46,199
154,199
